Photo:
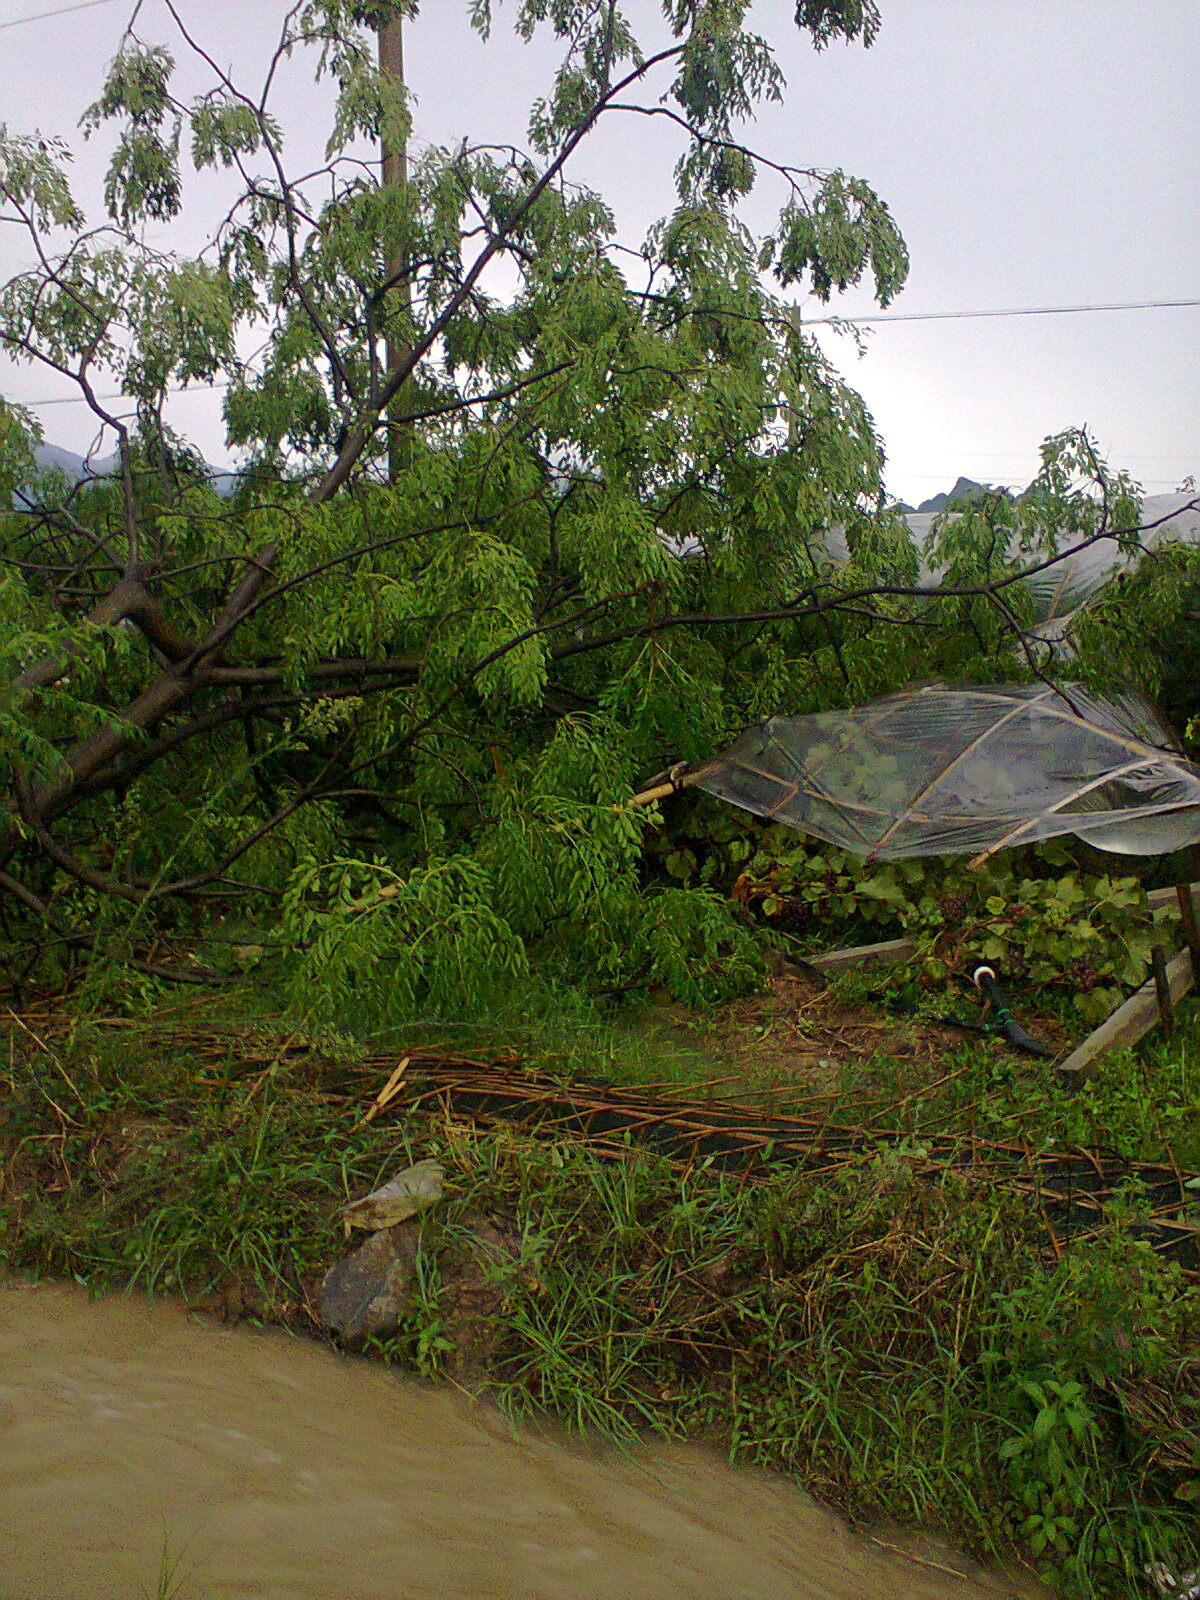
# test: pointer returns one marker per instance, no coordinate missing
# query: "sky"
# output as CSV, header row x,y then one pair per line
x,y
1034,153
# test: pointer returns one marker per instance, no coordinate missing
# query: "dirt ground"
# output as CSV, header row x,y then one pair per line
x,y
801,1035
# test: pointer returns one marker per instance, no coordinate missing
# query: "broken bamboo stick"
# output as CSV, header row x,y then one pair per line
x,y
658,791
861,955
665,784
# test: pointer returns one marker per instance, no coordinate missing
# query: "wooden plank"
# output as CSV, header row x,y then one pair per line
x,y
861,955
1129,1022
1165,897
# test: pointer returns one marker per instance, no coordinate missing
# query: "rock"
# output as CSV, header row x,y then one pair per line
x,y
415,1189
475,1296
235,1301
367,1293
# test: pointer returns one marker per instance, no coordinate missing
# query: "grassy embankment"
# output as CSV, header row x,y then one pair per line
x,y
899,1338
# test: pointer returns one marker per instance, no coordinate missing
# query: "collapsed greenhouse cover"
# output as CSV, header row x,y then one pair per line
x,y
945,770
1061,588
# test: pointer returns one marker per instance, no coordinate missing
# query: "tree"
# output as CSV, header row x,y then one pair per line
x,y
375,716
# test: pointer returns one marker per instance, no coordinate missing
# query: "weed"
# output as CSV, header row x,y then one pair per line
x,y
174,1582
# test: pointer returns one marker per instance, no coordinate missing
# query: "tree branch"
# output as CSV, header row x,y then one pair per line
x,y
197,975
174,685
358,438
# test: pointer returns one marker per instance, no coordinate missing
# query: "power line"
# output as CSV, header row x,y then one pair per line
x,y
806,322
81,400
62,11
1020,311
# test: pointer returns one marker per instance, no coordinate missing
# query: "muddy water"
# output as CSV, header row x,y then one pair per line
x,y
265,1466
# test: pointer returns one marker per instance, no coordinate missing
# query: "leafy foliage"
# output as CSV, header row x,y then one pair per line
x,y
520,518
428,940
1087,935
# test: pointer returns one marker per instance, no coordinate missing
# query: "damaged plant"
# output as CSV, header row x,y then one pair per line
x,y
520,515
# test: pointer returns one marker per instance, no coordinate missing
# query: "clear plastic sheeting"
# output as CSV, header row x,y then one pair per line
x,y
1072,580
953,770
1059,588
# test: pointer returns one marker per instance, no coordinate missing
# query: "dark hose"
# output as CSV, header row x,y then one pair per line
x,y
1002,1019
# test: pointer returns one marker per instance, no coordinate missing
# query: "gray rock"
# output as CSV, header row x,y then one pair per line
x,y
367,1293
475,1293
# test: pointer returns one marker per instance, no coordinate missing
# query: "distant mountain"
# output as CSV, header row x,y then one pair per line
x,y
53,455
77,468
964,492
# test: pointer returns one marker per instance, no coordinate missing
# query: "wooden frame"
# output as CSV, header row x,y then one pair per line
x,y
1130,1022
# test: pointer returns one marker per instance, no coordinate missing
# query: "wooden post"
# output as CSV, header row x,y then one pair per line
x,y
1187,913
1162,988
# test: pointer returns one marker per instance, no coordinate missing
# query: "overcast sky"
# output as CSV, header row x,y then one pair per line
x,y
1034,153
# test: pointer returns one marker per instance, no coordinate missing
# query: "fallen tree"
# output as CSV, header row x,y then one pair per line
x,y
493,552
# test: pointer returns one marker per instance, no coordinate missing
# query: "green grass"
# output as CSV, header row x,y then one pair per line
x,y
1141,1104
897,1340
174,1580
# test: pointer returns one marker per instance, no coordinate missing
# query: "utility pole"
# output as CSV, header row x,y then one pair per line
x,y
394,175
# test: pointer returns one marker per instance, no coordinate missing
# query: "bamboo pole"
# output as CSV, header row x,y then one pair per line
x,y
668,783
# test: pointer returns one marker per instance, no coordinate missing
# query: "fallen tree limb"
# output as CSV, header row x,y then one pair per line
x,y
172,687
130,601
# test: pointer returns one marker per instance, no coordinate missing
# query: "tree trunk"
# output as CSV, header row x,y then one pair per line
x,y
394,163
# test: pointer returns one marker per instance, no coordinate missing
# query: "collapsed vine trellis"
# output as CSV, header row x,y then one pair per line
x,y
1072,1190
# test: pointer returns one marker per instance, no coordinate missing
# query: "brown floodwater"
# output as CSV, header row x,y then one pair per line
x,y
263,1465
